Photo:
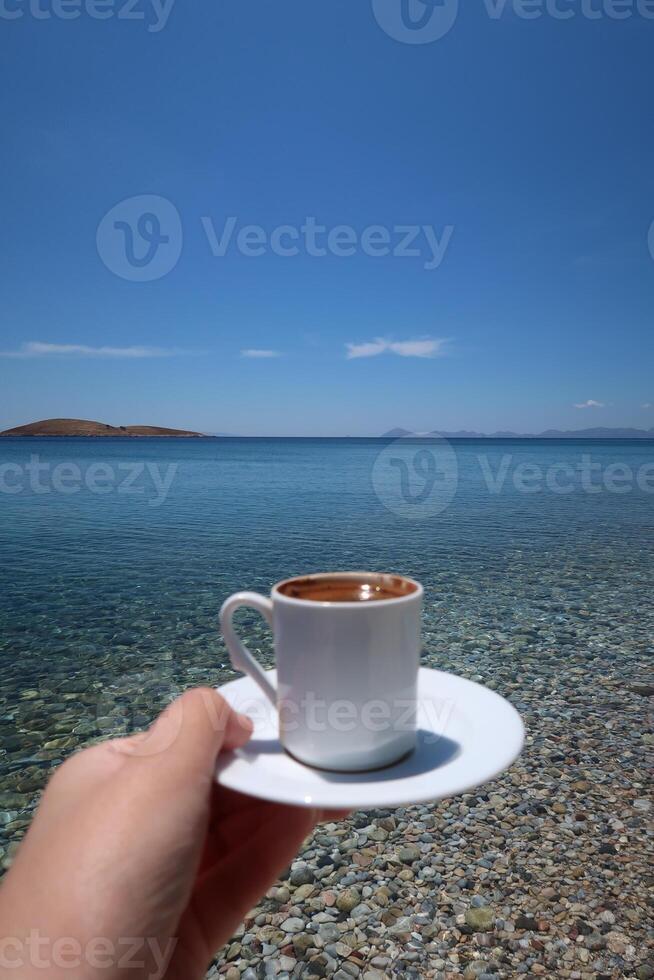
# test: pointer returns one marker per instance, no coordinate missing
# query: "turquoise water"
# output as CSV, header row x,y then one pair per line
x,y
109,600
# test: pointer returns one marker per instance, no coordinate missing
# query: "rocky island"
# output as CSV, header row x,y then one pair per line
x,y
82,427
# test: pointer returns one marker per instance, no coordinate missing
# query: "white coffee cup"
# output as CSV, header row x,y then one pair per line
x,y
347,649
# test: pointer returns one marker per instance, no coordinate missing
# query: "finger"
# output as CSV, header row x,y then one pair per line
x,y
183,743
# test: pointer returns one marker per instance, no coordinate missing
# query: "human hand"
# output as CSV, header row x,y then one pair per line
x,y
137,858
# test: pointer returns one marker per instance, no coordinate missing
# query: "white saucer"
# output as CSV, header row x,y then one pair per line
x,y
466,735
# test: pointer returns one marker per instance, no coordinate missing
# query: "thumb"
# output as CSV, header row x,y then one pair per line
x,y
182,745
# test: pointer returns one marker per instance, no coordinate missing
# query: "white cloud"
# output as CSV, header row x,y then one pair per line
x,y
35,348
403,348
591,403
647,405
417,348
257,352
366,350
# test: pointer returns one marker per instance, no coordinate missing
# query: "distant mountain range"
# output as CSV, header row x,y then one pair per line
x,y
83,427
597,433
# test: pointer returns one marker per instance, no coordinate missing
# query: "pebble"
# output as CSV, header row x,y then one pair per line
x,y
480,919
303,942
408,854
348,900
292,925
329,932
303,892
301,874
525,922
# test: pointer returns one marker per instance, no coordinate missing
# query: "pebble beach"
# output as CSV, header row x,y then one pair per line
x,y
543,872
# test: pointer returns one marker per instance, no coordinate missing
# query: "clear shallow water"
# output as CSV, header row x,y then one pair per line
x,y
109,600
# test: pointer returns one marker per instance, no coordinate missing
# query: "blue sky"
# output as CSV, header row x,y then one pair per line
x,y
523,146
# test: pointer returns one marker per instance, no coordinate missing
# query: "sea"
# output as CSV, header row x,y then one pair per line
x,y
116,555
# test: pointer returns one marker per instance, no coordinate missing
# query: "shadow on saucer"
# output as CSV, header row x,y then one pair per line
x,y
429,755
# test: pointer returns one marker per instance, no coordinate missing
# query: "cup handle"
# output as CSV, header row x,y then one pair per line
x,y
239,654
